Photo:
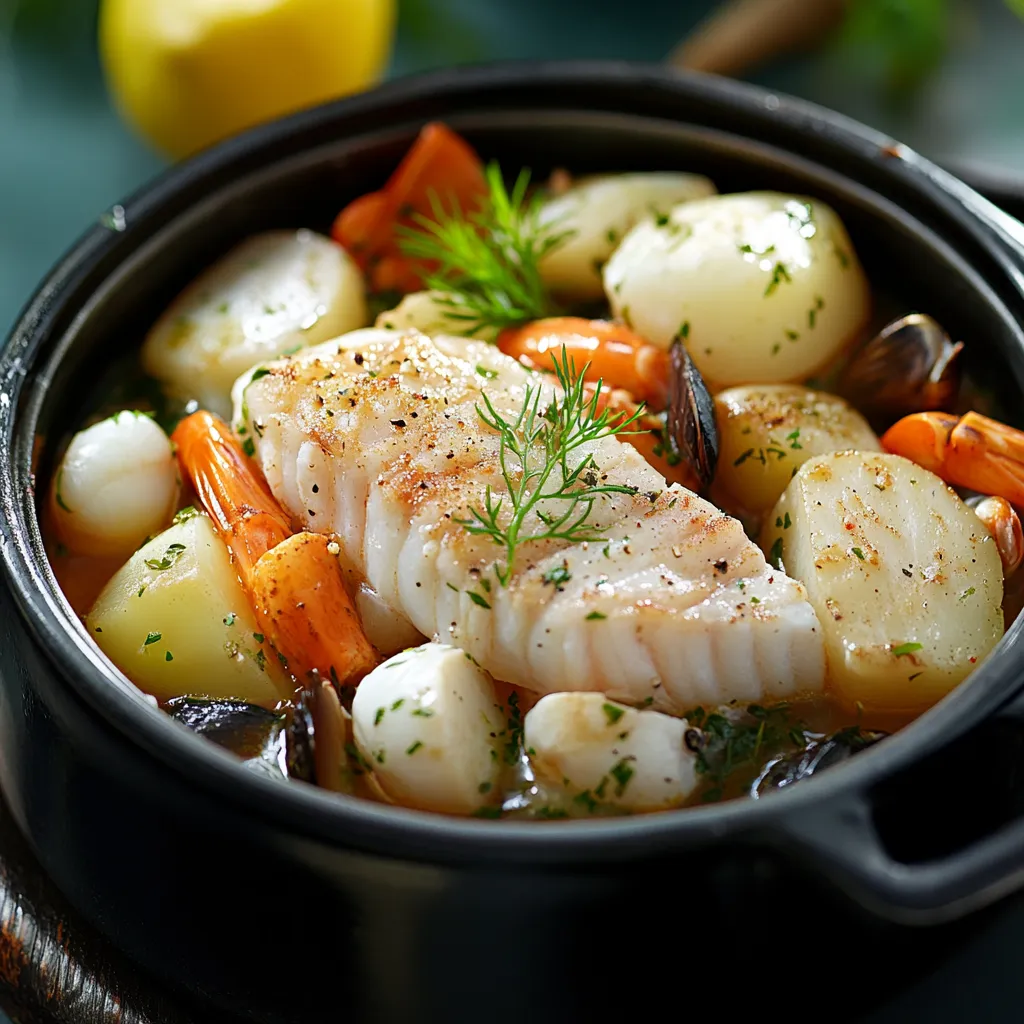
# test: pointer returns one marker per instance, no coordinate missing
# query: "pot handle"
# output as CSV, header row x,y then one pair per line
x,y
841,840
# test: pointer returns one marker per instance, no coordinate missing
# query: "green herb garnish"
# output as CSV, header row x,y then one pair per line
x,y
171,555
535,452
152,638
907,648
488,260
612,712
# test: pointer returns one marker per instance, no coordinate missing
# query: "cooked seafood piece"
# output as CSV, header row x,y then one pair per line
x,y
654,596
428,725
586,744
910,366
274,293
970,451
904,576
116,485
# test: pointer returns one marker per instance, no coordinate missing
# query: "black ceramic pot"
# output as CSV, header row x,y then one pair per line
x,y
287,904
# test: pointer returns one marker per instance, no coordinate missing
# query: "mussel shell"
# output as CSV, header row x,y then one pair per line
x,y
300,740
247,730
816,757
910,366
691,431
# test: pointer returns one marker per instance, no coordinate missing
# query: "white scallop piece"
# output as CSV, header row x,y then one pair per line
x,y
635,760
598,211
116,485
764,287
427,721
275,293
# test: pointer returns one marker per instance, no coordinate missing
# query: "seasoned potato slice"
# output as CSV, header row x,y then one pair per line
x,y
763,287
274,293
596,212
176,621
767,431
906,581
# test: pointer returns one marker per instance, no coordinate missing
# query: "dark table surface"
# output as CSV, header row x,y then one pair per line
x,y
65,157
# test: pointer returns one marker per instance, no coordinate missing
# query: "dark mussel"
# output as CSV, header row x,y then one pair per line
x,y
306,741
248,730
691,433
815,757
910,366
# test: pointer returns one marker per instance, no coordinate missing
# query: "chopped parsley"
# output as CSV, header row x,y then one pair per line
x,y
187,513
858,553
558,576
414,747
594,616
612,713
258,637
478,599
485,373
775,555
794,439
967,593
171,555
152,638
779,274
249,447
906,649
622,773
379,716
260,371
229,619
168,656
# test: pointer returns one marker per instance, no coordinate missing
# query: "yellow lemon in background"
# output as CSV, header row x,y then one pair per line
x,y
187,73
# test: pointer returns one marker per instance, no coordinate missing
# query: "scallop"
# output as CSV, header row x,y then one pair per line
x,y
763,287
904,577
116,485
275,293
427,722
596,212
633,760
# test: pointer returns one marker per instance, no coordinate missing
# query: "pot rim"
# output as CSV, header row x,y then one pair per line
x,y
402,832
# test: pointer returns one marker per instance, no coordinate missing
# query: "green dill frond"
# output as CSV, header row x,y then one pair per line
x,y
488,260
535,455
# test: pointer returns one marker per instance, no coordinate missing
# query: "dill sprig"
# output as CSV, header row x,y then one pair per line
x,y
535,455
488,260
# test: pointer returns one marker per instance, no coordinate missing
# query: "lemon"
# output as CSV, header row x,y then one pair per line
x,y
187,73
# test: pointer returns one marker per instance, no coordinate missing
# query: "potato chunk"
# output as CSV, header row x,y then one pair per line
x,y
767,431
176,621
764,287
905,579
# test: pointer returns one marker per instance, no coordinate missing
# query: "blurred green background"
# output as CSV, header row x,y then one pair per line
x,y
945,77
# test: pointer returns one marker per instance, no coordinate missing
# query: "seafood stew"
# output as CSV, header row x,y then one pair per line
x,y
622,503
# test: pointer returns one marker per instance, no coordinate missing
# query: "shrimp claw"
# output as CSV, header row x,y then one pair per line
x,y
972,451
294,584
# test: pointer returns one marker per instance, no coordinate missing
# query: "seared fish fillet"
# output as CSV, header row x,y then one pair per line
x,y
375,437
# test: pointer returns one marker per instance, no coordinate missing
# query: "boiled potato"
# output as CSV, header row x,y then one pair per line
x,y
427,312
176,621
767,431
428,723
597,211
763,287
905,579
116,485
273,294
634,760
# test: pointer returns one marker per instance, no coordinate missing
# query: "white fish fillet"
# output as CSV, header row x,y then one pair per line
x,y
375,437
